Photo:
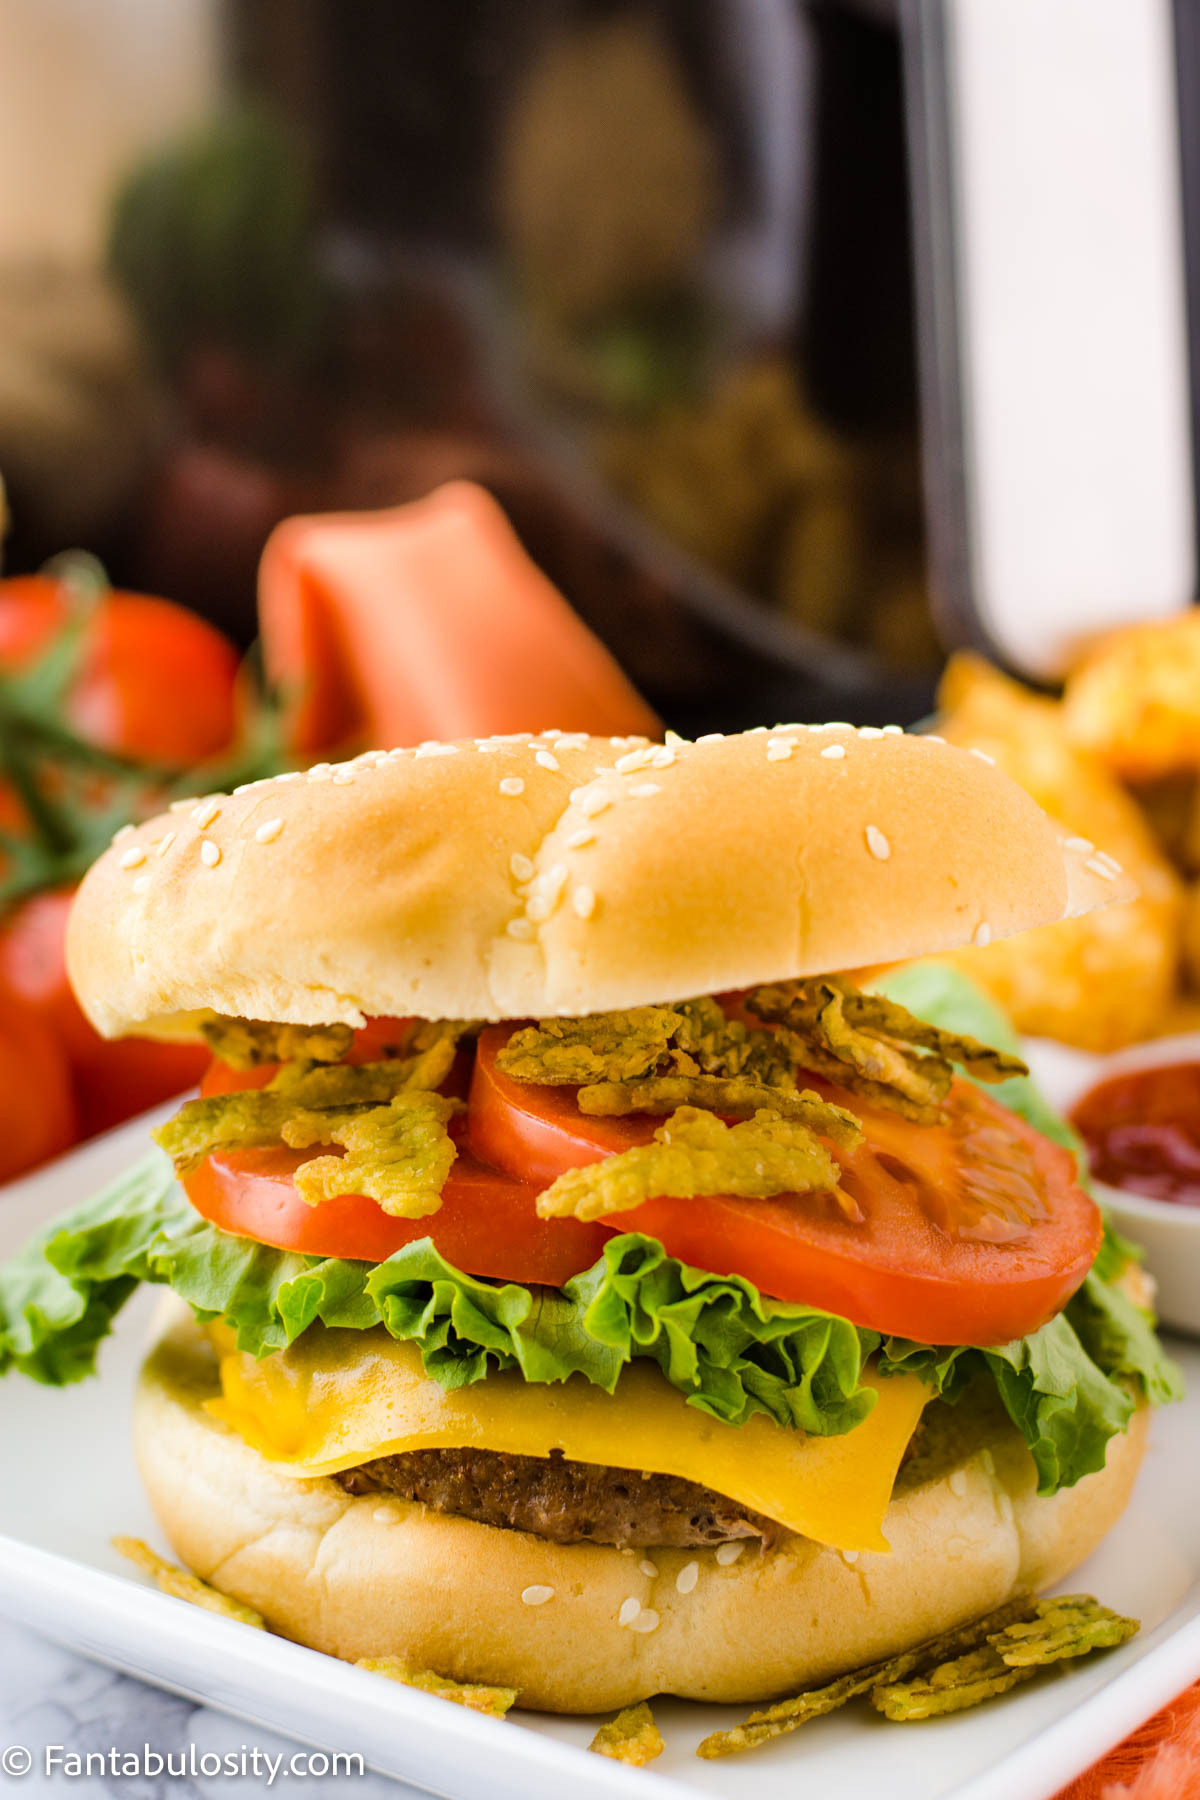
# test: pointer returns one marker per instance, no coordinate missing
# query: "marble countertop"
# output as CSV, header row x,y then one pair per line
x,y
48,1695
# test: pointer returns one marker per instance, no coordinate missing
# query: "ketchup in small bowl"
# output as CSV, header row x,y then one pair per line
x,y
1142,1131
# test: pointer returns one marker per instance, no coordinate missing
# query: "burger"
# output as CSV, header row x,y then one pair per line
x,y
584,1281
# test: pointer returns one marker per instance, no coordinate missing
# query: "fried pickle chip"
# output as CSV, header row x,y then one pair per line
x,y
1134,700
632,1737
951,1687
363,1084
255,1118
775,1721
1066,1625
183,1585
399,1155
730,1095
693,1038
241,1121
252,1043
876,1047
613,1046
694,1153
1103,980
495,1701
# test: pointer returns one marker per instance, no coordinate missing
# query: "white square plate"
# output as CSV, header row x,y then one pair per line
x,y
69,1485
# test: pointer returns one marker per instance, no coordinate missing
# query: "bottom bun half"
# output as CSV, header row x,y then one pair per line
x,y
377,1576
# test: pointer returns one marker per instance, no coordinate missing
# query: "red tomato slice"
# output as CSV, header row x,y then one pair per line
x,y
971,1232
487,1223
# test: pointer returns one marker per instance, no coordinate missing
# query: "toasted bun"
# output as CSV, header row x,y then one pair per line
x,y
398,885
378,1576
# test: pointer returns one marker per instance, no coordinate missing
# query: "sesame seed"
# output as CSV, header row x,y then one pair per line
x,y
983,755
289,775
649,1569
520,928
595,803
1004,1506
982,934
958,1483
186,805
987,1462
537,1595
779,749
647,1620
931,737
210,853
520,867
729,1553
849,1557
248,787
834,752
870,731
1084,846
485,744
579,840
512,784
1111,861
634,759
142,885
164,844
662,758
1093,863
687,1577
546,760
554,880
435,749
893,731
206,812
133,856
122,831
755,731
539,908
629,1610
645,789
574,740
268,831
386,1515
319,772
584,902
712,737
877,844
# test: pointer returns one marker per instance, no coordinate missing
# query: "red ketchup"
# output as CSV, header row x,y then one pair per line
x,y
1142,1132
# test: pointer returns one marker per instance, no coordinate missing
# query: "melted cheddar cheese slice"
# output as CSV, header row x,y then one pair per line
x,y
339,1398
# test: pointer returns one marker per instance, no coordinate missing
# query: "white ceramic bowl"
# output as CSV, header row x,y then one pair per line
x,y
1169,1234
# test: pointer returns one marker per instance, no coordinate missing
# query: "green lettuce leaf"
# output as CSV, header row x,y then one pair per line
x,y
732,1352
729,1349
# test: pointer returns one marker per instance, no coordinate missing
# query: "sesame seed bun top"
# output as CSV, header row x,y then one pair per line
x,y
514,877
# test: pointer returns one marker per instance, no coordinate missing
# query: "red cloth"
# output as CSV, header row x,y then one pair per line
x,y
428,621
1159,1761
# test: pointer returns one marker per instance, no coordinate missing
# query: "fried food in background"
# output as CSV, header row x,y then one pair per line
x,y
609,181
1107,979
1134,700
749,479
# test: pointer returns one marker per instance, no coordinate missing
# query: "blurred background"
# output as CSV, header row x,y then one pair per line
x,y
804,343
651,270
668,276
